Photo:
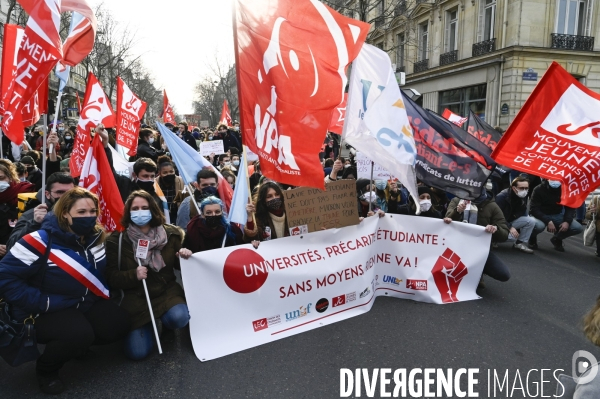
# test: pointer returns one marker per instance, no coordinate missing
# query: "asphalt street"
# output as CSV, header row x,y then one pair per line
x,y
532,321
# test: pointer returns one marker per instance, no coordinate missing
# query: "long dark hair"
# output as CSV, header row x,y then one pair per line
x,y
262,212
158,218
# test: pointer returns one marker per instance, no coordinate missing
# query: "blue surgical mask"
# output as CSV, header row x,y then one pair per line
x,y
4,185
554,183
380,184
141,218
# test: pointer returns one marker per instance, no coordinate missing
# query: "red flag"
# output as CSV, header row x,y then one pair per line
x,y
81,38
168,114
556,136
78,102
97,177
454,118
337,117
226,115
290,79
130,110
96,109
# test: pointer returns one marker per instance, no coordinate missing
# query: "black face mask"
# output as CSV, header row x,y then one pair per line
x,y
274,204
213,221
83,226
169,180
147,186
30,169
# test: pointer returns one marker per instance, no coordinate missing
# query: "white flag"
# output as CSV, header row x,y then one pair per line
x,y
376,121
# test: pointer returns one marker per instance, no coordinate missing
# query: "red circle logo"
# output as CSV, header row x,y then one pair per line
x,y
245,271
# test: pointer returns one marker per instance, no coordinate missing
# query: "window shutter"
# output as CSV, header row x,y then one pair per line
x,y
588,17
447,33
481,20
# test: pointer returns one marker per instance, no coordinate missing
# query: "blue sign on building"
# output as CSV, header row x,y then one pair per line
x,y
530,75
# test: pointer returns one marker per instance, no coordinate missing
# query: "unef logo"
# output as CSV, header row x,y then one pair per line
x,y
296,314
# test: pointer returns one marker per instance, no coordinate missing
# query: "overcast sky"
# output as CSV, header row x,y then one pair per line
x,y
177,39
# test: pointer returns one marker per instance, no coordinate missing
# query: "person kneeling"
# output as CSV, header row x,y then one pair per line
x,y
144,220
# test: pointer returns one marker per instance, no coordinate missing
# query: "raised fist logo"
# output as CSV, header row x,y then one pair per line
x,y
447,273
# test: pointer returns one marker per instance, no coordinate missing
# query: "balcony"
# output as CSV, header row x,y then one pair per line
x,y
572,42
379,21
449,57
400,9
421,66
400,68
484,47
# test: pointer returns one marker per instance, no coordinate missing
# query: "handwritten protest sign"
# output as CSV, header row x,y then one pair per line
x,y
363,169
212,147
204,124
310,209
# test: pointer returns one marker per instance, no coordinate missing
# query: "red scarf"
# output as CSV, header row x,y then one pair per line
x,y
9,196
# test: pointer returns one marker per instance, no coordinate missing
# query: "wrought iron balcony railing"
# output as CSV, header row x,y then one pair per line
x,y
400,68
572,42
484,47
421,66
449,57
379,21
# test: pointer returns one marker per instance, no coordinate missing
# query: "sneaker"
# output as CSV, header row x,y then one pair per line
x,y
523,248
481,285
494,244
558,245
50,383
533,246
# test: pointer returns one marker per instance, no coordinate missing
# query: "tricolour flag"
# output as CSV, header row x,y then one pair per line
x,y
130,110
454,118
291,59
96,110
226,115
168,114
97,177
556,135
189,162
376,121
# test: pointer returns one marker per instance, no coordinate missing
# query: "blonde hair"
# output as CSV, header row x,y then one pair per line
x,y
10,170
67,201
591,324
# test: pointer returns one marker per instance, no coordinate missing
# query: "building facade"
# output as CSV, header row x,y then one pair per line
x,y
486,55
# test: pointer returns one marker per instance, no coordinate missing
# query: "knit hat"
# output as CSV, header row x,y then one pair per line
x,y
27,160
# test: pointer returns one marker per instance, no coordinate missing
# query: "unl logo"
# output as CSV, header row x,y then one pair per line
x,y
575,117
260,324
448,273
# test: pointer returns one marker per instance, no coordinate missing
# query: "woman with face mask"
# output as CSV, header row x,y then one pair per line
x,y
143,220
269,211
170,184
381,191
210,229
10,187
56,276
427,208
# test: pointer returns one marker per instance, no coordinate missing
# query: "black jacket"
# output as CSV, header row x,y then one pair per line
x,y
145,150
545,201
190,140
512,206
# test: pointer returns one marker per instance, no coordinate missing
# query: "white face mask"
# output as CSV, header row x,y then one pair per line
x,y
151,140
489,186
370,196
554,183
425,205
522,194
4,185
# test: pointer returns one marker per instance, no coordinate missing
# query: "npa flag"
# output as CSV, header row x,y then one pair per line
x,y
130,110
484,132
226,115
376,121
291,59
454,118
338,116
443,161
556,136
96,110
168,114
189,162
97,177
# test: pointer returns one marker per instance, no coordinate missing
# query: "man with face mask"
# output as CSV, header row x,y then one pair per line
x,y
31,220
206,186
551,215
513,203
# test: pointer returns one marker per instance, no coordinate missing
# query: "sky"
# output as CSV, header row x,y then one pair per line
x,y
178,40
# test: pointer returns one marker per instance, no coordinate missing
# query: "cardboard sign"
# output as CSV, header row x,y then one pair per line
x,y
204,124
212,147
363,169
310,209
142,249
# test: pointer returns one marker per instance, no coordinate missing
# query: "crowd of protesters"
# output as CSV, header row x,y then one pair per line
x,y
70,317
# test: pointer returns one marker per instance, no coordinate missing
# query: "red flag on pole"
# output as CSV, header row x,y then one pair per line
x,y
130,110
168,114
97,177
290,79
556,136
337,117
96,109
226,115
454,118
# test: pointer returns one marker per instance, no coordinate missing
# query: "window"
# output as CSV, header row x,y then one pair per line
x,y
460,101
572,17
423,40
451,30
487,19
379,45
400,51
381,7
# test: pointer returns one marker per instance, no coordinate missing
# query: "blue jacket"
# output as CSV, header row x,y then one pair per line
x,y
33,285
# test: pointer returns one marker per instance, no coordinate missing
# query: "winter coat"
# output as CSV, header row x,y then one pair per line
x,y
190,140
588,215
511,205
545,200
488,213
32,284
164,291
200,237
144,150
229,140
256,231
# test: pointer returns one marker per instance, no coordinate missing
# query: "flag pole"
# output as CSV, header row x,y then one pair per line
x,y
44,138
151,312
193,199
1,148
370,188
248,180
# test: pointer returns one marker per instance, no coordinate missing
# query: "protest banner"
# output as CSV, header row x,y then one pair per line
x,y
204,124
310,209
363,169
299,283
212,147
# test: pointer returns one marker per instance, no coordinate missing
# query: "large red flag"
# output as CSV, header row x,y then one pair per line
x,y
226,115
556,136
130,110
168,114
80,41
454,118
291,59
97,177
96,109
338,116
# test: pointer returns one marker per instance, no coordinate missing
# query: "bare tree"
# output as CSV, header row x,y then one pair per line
x,y
219,85
140,81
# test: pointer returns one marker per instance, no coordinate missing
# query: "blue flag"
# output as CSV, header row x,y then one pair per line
x,y
237,213
188,161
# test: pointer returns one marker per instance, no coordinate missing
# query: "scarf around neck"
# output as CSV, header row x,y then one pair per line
x,y
157,237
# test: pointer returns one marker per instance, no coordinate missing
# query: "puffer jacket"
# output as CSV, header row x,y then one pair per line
x,y
488,213
545,201
32,284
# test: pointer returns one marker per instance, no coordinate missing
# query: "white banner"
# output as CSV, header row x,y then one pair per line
x,y
239,297
212,147
363,169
